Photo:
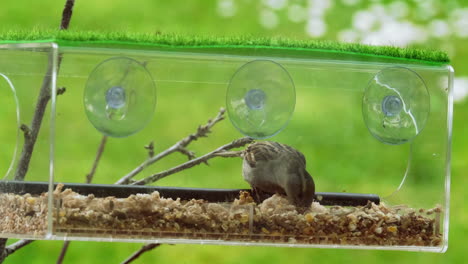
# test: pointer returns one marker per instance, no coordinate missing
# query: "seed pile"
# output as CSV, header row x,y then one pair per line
x,y
23,214
274,220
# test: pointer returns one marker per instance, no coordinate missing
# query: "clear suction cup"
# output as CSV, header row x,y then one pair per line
x,y
396,105
260,99
120,97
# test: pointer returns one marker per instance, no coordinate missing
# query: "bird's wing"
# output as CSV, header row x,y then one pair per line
x,y
261,151
270,151
299,157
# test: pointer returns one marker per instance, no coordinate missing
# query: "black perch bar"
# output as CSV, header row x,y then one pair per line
x,y
211,195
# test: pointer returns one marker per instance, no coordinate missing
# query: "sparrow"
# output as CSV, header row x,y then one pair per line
x,y
273,167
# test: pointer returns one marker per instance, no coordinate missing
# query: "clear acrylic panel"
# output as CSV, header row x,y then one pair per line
x,y
27,79
361,129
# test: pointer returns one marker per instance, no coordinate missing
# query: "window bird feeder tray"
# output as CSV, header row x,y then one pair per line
x,y
362,159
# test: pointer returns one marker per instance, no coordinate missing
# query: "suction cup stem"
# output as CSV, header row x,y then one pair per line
x,y
260,99
116,106
255,99
396,105
120,97
392,105
115,97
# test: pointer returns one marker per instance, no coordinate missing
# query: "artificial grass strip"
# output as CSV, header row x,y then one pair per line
x,y
187,41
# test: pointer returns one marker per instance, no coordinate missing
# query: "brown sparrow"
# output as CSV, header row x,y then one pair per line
x,y
273,167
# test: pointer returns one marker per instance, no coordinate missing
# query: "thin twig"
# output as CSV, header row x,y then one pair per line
x,y
17,245
61,90
31,133
63,252
180,146
219,152
150,148
13,248
90,175
41,105
67,14
140,252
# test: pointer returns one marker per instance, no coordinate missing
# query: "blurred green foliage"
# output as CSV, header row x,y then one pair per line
x,y
203,17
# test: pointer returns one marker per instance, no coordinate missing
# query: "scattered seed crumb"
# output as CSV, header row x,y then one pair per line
x,y
309,217
378,230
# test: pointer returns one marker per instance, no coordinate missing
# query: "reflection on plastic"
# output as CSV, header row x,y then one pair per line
x,y
396,105
18,122
120,97
260,99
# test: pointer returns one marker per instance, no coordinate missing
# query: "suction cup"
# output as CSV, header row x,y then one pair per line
x,y
396,105
260,99
120,97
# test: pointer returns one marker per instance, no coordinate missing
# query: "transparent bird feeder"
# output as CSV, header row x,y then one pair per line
x,y
366,124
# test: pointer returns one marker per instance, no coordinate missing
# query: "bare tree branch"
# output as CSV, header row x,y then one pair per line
x,y
30,133
66,17
13,248
41,105
102,145
180,146
67,14
63,252
140,252
17,245
3,250
219,152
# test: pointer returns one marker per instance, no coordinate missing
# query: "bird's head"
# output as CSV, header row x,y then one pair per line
x,y
304,197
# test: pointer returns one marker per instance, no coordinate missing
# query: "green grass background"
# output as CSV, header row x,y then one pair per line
x,y
200,17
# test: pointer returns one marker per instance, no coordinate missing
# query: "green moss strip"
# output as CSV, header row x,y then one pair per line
x,y
187,41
